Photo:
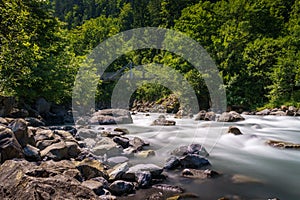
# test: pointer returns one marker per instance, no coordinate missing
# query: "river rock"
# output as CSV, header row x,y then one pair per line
x,y
117,171
120,187
90,168
231,116
3,121
143,179
57,151
193,161
96,186
201,115
122,130
18,113
210,116
117,160
86,133
163,122
111,116
25,180
19,128
31,153
9,145
169,188
234,130
122,141
283,145
200,174
45,138
153,169
144,154
190,149
137,143
35,122
172,163
106,146
278,113
263,112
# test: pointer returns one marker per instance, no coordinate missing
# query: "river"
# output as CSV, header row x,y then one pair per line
x,y
274,172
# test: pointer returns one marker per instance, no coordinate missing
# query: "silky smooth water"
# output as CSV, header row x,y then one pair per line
x,y
278,170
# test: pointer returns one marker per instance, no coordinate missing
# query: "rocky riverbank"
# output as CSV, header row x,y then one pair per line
x,y
93,162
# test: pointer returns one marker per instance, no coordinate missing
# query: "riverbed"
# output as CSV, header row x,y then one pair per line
x,y
270,172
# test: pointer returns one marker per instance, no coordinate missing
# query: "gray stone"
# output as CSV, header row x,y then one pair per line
x,y
106,146
172,163
117,171
31,153
190,149
231,116
193,161
9,145
263,112
120,187
96,186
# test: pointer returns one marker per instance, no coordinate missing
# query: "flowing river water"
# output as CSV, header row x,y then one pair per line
x,y
274,172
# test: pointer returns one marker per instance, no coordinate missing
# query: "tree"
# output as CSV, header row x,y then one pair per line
x,y
33,52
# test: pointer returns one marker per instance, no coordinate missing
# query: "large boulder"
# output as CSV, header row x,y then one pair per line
x,y
61,150
23,135
9,145
111,116
26,180
231,116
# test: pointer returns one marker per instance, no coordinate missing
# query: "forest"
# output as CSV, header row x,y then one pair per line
x,y
255,44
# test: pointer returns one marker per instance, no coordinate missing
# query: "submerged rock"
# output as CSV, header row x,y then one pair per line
x,y
234,130
283,145
169,188
201,174
239,178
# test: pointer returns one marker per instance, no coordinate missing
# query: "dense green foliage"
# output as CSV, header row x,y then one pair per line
x,y
254,43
